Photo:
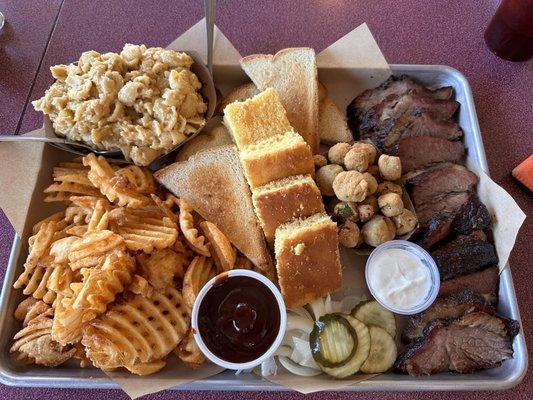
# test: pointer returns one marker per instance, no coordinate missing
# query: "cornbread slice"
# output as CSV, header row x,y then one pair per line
x,y
308,259
282,201
276,158
213,183
256,119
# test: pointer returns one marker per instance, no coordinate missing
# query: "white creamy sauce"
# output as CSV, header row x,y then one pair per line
x,y
399,278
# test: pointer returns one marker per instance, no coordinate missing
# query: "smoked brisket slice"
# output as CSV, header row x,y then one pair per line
x,y
473,215
387,134
470,216
463,255
484,282
424,151
396,86
452,306
474,341
407,104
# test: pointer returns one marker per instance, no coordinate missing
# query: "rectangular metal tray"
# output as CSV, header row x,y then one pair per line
x,y
506,376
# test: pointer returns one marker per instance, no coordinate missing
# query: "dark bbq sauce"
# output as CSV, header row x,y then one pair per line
x,y
238,319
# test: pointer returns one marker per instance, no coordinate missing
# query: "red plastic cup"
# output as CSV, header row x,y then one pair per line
x,y
510,32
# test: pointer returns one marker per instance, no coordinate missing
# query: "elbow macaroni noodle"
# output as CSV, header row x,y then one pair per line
x,y
143,101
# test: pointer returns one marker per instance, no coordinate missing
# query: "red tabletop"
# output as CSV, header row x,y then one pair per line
x,y
408,31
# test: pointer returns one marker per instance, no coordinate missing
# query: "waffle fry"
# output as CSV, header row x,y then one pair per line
x,y
161,267
61,248
34,344
223,252
61,278
99,218
23,308
144,229
189,352
101,284
103,177
136,178
77,230
39,244
36,284
58,216
148,368
199,272
69,180
169,206
90,298
139,285
196,242
180,246
93,247
137,330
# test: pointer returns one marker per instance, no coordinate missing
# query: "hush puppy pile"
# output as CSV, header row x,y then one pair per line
x,y
366,195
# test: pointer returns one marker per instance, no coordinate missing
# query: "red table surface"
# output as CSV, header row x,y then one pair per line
x,y
408,31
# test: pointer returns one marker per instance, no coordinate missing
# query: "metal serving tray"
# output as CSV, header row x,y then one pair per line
x,y
506,376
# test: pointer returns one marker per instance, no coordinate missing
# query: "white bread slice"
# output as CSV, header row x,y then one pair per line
x,y
308,259
282,201
217,136
240,93
249,90
213,183
258,118
292,73
332,125
276,158
322,92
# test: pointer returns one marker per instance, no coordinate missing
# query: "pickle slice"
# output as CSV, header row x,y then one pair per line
x,y
333,341
383,351
361,354
370,312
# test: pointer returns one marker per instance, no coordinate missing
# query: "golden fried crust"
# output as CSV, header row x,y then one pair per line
x,y
272,166
275,208
316,271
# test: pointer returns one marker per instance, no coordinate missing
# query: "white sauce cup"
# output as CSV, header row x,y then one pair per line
x,y
282,320
425,260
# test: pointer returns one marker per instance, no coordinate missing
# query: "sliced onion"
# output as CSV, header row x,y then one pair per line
x,y
296,369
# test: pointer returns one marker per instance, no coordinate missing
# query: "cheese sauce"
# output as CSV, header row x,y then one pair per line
x,y
399,278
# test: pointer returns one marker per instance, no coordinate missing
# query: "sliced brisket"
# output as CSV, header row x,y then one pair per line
x,y
452,306
423,151
396,86
437,228
407,104
436,183
463,255
389,132
474,341
472,215
484,282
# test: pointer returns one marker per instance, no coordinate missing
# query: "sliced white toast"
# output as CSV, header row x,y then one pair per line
x,y
218,135
213,183
292,73
332,125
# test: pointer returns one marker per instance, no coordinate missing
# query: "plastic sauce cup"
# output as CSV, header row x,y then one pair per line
x,y
282,320
425,260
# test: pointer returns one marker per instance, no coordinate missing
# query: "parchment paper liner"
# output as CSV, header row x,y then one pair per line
x,y
355,58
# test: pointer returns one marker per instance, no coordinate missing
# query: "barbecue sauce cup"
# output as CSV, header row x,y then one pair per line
x,y
238,319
